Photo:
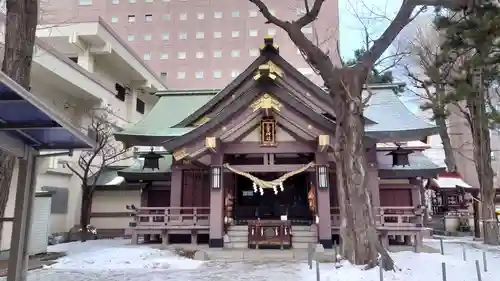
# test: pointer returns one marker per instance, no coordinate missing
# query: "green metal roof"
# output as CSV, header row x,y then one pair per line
x,y
168,111
164,164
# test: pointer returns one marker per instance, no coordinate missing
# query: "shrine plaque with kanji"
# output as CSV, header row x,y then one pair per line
x,y
268,132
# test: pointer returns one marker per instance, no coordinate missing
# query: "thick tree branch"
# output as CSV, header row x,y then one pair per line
x,y
270,18
310,15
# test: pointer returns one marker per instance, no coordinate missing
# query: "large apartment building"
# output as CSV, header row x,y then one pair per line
x,y
197,44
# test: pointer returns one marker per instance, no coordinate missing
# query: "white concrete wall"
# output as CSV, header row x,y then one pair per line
x,y
112,202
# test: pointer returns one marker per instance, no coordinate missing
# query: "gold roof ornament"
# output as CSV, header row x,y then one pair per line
x,y
268,69
201,121
266,102
179,154
269,42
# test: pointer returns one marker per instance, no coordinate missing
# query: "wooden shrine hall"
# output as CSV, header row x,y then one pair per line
x,y
255,160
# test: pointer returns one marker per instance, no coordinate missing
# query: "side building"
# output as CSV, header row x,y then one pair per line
x,y
77,68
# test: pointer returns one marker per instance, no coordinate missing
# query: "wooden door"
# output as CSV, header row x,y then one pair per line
x,y
395,197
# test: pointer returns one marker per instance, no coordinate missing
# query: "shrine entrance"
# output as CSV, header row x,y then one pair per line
x,y
291,202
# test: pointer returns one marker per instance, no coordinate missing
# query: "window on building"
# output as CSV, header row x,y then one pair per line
x,y
181,55
147,56
148,17
130,37
131,18
140,106
235,14
164,56
217,15
120,92
84,2
200,55
114,19
166,17
200,16
217,74
200,35
132,1
217,54
217,34
115,2
183,35
181,75
163,75
253,52
235,73
149,1
148,37
235,53
253,33
235,34
271,31
165,36
183,16
59,199
252,13
199,75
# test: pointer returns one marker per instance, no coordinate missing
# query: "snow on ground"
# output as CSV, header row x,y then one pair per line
x,y
116,260
117,254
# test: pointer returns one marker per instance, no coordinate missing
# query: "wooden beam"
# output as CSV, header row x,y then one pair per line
x,y
281,147
268,168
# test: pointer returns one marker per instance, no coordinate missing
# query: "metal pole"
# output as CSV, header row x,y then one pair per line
x,y
18,258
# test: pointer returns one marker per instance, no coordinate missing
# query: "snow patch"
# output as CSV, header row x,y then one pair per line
x,y
117,254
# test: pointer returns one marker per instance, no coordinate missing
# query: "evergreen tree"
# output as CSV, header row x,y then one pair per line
x,y
473,37
376,76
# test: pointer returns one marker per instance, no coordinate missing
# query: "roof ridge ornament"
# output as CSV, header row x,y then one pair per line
x,y
269,45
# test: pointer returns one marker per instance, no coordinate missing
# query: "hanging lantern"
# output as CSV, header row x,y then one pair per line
x,y
216,177
400,157
322,172
151,160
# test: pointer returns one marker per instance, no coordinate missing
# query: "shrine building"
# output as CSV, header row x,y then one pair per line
x,y
252,165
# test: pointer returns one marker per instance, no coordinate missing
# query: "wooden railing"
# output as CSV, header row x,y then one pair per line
x,y
400,216
335,216
387,216
171,217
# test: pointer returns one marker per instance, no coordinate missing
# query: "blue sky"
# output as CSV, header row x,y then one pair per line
x,y
352,33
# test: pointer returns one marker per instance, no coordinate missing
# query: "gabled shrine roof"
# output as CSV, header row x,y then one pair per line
x,y
179,112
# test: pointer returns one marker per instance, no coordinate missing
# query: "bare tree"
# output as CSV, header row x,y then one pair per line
x,y
91,163
20,30
360,243
429,73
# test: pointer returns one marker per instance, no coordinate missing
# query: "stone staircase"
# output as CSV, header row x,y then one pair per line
x,y
237,236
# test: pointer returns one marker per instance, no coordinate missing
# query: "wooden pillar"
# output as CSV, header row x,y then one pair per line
x,y
475,209
176,187
216,205
323,200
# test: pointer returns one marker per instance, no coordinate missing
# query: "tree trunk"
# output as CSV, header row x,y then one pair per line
x,y
449,157
85,212
20,30
482,159
360,242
